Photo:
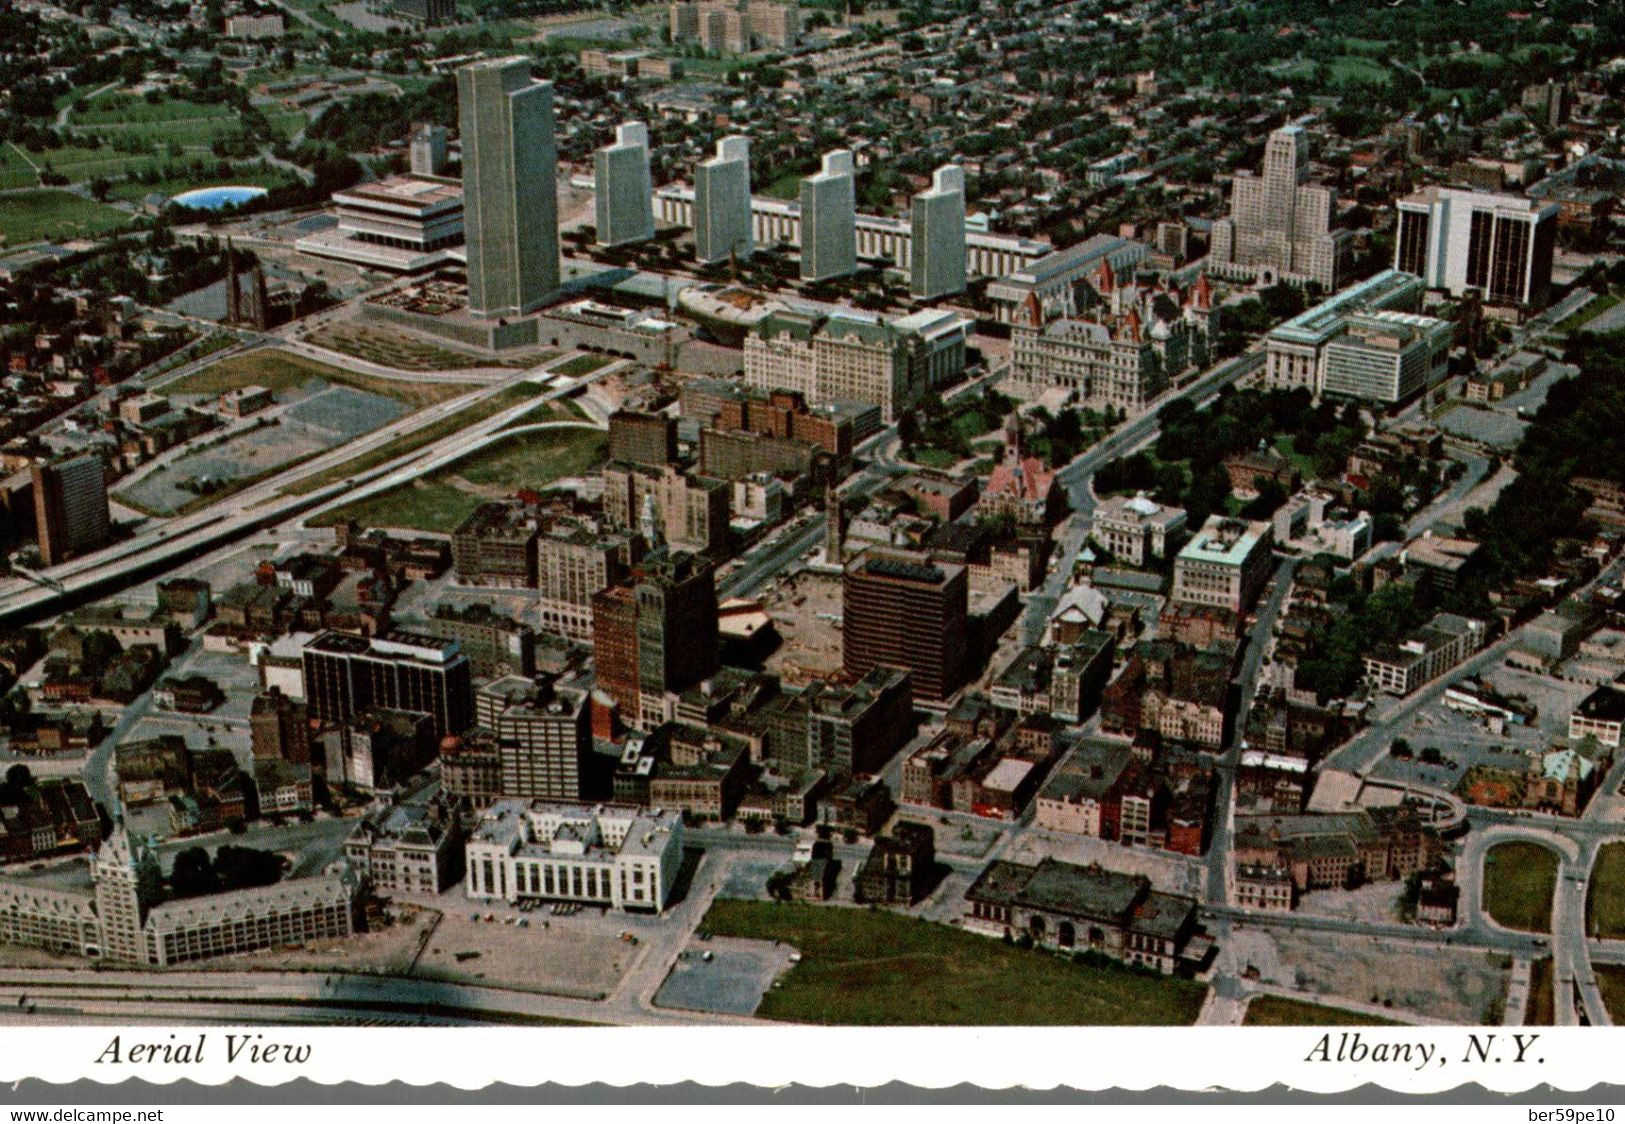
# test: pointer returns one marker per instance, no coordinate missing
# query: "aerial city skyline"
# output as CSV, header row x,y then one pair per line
x,y
738,514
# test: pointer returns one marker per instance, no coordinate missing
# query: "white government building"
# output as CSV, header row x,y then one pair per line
x,y
617,855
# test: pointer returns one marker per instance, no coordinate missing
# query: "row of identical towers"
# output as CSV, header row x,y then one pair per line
x,y
510,192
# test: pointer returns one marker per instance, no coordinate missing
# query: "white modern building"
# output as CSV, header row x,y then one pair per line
x,y
1295,352
880,237
1224,565
829,236
614,855
428,150
720,207
1457,240
510,189
1387,357
622,196
938,219
406,223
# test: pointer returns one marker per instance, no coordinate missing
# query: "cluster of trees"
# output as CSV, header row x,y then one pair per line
x,y
1580,431
1383,617
936,425
19,779
231,868
1246,319
371,120
1187,471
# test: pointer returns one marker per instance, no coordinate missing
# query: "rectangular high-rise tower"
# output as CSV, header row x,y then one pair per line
x,y
722,222
1457,240
902,609
428,150
70,507
829,232
937,263
655,634
510,196
623,201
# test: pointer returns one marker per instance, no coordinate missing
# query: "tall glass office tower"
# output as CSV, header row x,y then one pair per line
x,y
510,199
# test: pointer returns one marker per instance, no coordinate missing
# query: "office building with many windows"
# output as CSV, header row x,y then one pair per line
x,y
902,610
510,196
829,236
622,195
346,675
1501,245
1225,565
70,507
938,218
721,204
1280,223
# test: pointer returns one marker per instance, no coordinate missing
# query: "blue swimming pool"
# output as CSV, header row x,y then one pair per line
x,y
216,198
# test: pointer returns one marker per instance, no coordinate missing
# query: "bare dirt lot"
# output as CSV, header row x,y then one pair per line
x,y
806,609
566,957
1464,986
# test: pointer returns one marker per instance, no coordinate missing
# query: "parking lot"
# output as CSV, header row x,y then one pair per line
x,y
725,975
1464,742
580,955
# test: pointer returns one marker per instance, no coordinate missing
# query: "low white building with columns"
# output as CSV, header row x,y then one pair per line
x,y
616,855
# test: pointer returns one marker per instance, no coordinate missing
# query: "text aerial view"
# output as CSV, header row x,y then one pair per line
x,y
737,512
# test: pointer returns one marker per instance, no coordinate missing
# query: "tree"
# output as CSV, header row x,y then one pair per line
x,y
240,868
19,778
193,874
99,649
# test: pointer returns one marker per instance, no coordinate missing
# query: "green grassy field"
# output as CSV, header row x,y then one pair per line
x,y
1276,1010
1611,982
582,365
1605,896
863,967
1592,310
1518,882
1288,449
533,460
1540,1009
30,216
443,499
14,170
428,435
279,371
559,409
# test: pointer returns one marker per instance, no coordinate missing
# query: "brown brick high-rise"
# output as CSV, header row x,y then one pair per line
x,y
903,610
642,438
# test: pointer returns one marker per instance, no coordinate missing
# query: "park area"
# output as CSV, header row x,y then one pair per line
x,y
109,135
870,967
1519,879
48,214
1277,1010
441,500
1605,896
391,348
283,371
